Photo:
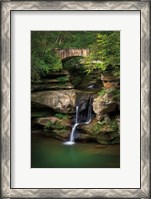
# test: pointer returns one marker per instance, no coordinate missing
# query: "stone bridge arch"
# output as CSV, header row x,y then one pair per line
x,y
65,54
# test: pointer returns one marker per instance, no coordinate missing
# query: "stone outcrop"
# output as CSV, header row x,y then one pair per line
x,y
44,121
53,107
103,105
109,81
62,101
104,132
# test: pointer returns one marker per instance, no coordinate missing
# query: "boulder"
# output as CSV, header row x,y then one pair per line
x,y
105,132
54,120
55,127
109,138
103,105
61,134
95,127
62,101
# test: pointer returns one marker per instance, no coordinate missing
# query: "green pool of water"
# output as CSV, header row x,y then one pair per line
x,y
50,153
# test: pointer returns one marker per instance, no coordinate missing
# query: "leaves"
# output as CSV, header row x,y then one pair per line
x,y
43,43
105,52
104,48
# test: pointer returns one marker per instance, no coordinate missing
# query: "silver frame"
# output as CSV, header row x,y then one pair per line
x,y
143,7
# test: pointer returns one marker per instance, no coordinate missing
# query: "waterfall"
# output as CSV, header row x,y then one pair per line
x,y
89,115
79,119
75,125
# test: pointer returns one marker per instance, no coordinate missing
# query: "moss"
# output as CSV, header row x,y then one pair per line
x,y
49,125
56,125
99,126
113,91
62,132
61,116
63,79
102,92
109,138
114,125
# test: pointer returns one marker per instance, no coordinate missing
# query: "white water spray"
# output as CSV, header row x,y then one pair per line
x,y
77,122
71,140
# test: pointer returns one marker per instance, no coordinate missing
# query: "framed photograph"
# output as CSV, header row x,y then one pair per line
x,y
75,99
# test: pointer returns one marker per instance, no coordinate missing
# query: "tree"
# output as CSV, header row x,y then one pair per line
x,y
43,57
105,53
104,46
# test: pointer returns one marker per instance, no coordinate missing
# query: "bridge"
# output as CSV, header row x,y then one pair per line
x,y
65,54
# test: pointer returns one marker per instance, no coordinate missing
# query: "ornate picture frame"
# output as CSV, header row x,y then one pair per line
x,y
6,8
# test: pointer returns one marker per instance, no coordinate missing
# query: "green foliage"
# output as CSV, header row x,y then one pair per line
x,y
116,72
102,92
104,47
105,53
76,81
113,125
49,125
114,91
43,56
76,70
109,48
100,125
42,65
58,126
54,125
73,64
63,79
61,116
75,39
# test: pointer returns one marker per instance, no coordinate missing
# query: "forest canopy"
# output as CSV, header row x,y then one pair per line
x,y
104,50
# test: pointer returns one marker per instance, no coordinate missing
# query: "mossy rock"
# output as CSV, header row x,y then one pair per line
x,y
108,138
62,134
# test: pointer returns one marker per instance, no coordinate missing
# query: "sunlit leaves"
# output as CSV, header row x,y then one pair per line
x,y
104,48
105,53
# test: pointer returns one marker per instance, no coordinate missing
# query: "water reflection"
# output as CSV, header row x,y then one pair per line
x,y
49,153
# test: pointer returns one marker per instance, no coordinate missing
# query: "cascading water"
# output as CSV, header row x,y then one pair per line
x,y
71,141
79,121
